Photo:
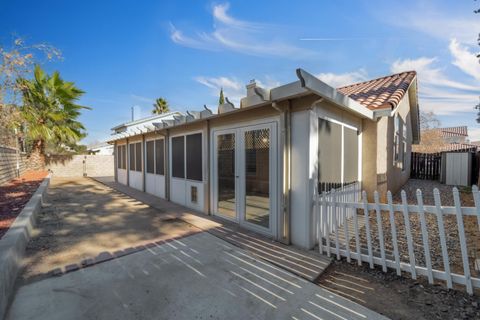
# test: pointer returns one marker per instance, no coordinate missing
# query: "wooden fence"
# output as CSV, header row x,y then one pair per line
x,y
426,166
380,230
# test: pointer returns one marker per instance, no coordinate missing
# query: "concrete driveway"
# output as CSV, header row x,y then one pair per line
x,y
195,277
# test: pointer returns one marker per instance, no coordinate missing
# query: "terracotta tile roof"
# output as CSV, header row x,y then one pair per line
x,y
385,92
454,131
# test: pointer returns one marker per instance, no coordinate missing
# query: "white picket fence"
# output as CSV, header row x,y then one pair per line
x,y
336,207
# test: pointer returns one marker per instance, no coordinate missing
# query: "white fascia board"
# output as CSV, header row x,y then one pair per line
x,y
315,85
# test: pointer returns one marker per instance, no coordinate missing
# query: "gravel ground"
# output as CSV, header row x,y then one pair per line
x,y
398,297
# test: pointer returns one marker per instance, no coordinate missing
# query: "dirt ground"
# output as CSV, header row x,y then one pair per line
x,y
14,196
83,218
398,297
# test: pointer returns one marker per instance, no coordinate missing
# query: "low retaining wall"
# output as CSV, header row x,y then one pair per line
x,y
81,165
14,242
8,163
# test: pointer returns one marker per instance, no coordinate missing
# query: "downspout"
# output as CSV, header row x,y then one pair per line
x,y
167,165
286,136
144,152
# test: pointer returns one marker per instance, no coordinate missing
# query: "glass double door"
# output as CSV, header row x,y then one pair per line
x,y
244,175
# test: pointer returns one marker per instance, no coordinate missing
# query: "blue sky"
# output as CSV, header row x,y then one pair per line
x,y
124,54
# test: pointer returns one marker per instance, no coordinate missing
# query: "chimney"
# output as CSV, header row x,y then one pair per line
x,y
251,88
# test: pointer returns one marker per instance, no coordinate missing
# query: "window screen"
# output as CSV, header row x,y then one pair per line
x,y
329,155
178,157
124,157
132,156
160,157
194,157
350,173
150,157
119,157
138,156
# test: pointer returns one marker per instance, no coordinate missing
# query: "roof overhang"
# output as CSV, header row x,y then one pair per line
x,y
313,84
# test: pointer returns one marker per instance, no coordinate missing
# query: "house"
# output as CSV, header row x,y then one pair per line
x,y
102,148
450,139
261,164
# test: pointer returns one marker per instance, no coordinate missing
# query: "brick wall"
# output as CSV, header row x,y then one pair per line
x,y
77,165
8,164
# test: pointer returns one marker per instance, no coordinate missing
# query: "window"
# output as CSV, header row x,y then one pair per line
x,y
178,157
138,156
350,140
194,157
119,157
160,157
150,157
329,155
399,143
124,157
132,156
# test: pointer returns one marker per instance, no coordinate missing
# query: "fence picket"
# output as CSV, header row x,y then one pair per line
x,y
367,228
335,224
426,245
406,217
394,233
345,231
441,231
463,242
380,230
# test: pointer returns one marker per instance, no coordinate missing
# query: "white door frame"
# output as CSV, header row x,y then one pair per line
x,y
240,174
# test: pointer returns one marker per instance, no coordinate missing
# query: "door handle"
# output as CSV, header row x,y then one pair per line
x,y
237,176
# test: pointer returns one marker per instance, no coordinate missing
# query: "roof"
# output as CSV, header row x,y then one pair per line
x,y
461,131
449,147
380,93
146,119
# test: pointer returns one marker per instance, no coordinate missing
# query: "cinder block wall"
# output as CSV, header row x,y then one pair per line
x,y
77,165
8,164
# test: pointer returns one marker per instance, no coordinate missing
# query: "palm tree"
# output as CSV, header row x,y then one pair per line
x,y
50,113
160,106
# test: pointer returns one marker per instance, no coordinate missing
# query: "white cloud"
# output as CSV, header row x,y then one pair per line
x,y
464,59
237,35
141,98
428,18
437,91
428,73
342,79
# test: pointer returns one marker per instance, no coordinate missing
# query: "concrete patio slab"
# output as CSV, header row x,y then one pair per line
x,y
307,264
196,277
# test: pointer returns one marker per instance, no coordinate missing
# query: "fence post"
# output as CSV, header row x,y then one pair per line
x,y
318,212
463,243
411,253
380,230
367,228
394,233
441,231
426,245
345,230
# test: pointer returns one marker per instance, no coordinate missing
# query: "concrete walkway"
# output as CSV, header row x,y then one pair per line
x,y
307,264
196,277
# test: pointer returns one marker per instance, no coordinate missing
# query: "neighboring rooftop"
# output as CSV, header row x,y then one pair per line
x,y
460,131
380,93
